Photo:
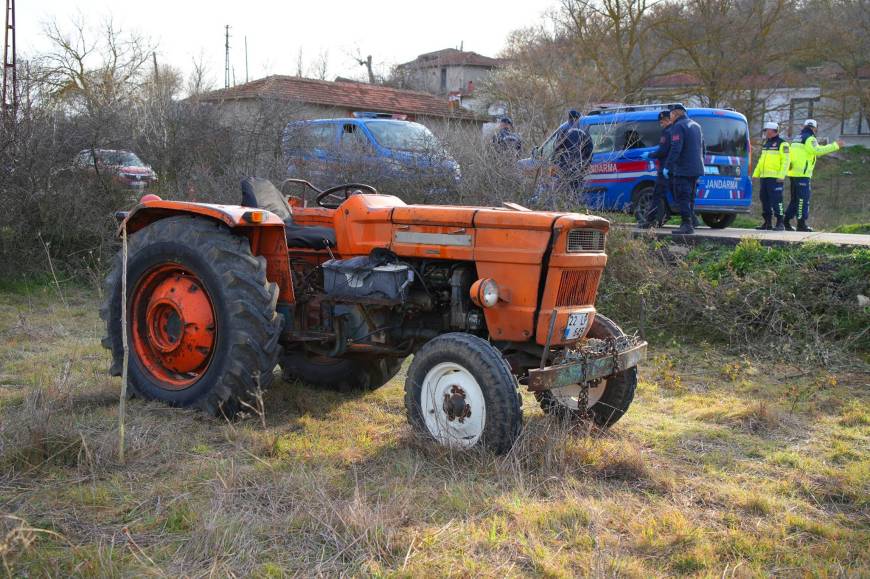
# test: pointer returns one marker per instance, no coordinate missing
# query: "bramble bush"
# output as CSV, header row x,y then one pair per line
x,y
799,301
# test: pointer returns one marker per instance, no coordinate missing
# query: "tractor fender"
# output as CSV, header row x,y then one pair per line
x,y
149,211
264,230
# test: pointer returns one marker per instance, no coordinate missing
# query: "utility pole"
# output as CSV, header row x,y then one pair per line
x,y
10,82
246,58
227,58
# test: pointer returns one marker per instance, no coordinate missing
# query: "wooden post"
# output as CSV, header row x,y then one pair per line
x,y
122,407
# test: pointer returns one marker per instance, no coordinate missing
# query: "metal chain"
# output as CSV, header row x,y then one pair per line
x,y
583,400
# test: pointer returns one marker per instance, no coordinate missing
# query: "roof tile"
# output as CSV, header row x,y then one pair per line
x,y
349,95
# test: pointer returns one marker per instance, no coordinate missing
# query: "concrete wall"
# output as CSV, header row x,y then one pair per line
x,y
458,76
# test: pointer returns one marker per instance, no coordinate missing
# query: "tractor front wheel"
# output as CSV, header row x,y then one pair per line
x,y
607,400
460,392
202,329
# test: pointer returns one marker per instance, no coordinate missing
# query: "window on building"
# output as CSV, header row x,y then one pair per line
x,y
799,111
444,79
855,119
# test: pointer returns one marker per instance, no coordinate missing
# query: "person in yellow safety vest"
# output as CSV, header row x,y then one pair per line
x,y
804,151
771,169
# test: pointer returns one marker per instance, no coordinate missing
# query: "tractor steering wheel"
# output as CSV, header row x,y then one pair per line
x,y
341,192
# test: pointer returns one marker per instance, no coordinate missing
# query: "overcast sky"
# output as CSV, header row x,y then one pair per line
x,y
391,31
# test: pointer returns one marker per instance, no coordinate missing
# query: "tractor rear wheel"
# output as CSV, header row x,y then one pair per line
x,y
202,326
607,400
460,392
338,374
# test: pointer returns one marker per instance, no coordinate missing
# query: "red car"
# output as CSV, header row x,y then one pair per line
x,y
123,166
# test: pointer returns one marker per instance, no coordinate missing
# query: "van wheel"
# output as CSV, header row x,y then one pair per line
x,y
718,220
460,393
642,203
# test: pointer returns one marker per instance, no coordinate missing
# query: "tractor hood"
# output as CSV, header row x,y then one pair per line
x,y
492,217
365,222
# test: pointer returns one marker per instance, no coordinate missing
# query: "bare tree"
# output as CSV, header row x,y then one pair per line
x,y
299,61
543,79
319,69
366,62
93,68
839,35
726,45
620,38
199,80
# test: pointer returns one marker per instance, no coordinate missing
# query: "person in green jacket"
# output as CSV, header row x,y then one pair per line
x,y
804,151
771,169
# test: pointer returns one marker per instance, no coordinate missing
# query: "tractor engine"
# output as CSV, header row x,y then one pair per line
x,y
384,305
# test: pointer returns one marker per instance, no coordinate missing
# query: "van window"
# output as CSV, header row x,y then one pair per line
x,y
724,136
353,139
320,136
609,137
299,138
403,136
549,146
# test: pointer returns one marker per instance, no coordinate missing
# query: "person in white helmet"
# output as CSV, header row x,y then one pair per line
x,y
804,151
771,169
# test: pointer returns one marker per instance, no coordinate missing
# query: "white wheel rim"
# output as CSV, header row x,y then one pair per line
x,y
453,405
569,396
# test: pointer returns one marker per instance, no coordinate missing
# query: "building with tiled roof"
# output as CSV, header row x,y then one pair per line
x,y
787,98
447,71
325,99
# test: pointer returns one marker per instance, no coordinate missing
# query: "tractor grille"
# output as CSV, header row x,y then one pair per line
x,y
578,287
585,240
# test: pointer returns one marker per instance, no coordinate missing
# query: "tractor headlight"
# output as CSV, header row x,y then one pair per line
x,y
484,293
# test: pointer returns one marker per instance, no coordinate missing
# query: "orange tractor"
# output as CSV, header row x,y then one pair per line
x,y
340,293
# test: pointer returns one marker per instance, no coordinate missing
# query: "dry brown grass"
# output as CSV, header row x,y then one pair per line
x,y
708,475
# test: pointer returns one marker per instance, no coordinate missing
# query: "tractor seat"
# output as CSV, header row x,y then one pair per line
x,y
262,194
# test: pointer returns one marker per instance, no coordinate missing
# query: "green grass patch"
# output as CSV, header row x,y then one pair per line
x,y
854,228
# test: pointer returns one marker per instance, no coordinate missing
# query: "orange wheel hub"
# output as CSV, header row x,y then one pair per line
x,y
173,326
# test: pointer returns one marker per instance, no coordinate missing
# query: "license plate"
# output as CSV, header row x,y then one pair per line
x,y
576,325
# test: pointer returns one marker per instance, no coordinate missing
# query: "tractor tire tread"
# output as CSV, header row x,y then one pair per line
x,y
503,402
256,327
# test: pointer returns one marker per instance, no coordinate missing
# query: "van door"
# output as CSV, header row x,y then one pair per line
x,y
602,182
359,163
631,139
726,186
311,152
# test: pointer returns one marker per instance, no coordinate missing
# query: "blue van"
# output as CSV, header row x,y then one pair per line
x,y
619,179
368,147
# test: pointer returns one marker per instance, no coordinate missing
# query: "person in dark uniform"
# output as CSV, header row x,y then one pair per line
x,y
657,209
506,139
573,152
684,165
